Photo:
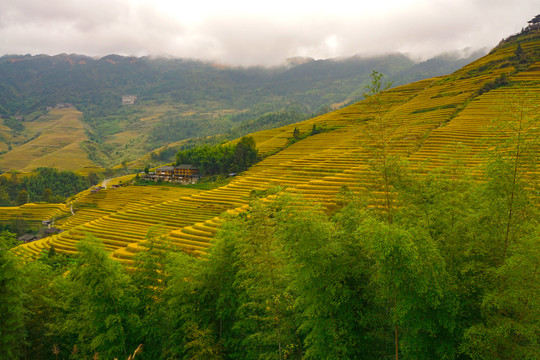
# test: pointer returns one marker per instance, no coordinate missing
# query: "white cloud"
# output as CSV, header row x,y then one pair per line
x,y
250,32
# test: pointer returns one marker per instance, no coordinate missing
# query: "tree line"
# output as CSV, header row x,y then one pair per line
x,y
43,184
221,159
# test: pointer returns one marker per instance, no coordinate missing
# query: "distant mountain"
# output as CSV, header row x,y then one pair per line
x,y
181,98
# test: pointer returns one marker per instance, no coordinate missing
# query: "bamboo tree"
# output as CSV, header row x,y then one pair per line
x,y
40,303
150,279
98,300
338,315
12,312
190,336
508,237
379,131
510,308
265,317
512,168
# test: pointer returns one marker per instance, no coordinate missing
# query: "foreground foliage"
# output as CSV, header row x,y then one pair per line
x,y
453,276
426,264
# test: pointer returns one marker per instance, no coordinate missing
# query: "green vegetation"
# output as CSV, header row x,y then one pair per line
x,y
177,99
14,124
42,184
221,159
399,234
452,274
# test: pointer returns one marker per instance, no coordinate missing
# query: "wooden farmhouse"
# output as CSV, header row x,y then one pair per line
x,y
165,173
183,173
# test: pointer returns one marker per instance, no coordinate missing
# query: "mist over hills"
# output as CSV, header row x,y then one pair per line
x,y
30,82
183,98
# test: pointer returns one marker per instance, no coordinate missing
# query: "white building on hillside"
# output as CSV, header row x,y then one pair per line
x,y
129,99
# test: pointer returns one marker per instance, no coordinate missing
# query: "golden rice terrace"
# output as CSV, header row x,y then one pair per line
x,y
428,118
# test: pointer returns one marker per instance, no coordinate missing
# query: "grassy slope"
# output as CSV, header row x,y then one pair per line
x,y
56,144
178,99
433,115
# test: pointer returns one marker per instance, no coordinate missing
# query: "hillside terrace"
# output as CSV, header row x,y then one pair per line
x,y
434,118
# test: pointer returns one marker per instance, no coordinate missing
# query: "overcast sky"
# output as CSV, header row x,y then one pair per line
x,y
258,32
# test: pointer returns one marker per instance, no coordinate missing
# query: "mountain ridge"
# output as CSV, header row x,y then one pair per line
x,y
183,97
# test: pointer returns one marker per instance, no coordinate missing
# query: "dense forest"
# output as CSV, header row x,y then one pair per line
x,y
423,264
221,159
31,83
42,184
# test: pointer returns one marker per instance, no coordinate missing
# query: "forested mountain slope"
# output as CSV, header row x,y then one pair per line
x,y
441,120
178,98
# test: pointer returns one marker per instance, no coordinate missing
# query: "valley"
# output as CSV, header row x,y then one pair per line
x,y
437,121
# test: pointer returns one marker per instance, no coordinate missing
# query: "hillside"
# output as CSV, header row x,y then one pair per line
x,y
431,118
178,98
53,141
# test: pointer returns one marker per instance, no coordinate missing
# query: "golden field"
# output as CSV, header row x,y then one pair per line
x,y
431,118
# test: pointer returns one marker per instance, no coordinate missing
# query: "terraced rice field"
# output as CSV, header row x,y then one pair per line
x,y
32,213
430,118
55,142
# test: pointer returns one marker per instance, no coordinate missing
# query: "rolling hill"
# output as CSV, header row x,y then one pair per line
x,y
176,99
430,119
55,142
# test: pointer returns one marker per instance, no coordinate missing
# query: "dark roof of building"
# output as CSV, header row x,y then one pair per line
x,y
27,237
186,167
165,168
52,230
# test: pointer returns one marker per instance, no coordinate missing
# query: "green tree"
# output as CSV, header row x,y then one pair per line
x,y
296,133
19,226
245,153
12,311
183,306
93,178
511,172
411,279
379,132
338,316
218,293
265,316
99,304
40,301
4,196
201,344
150,278
8,240
510,308
505,237
22,198
519,51
379,138
47,195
